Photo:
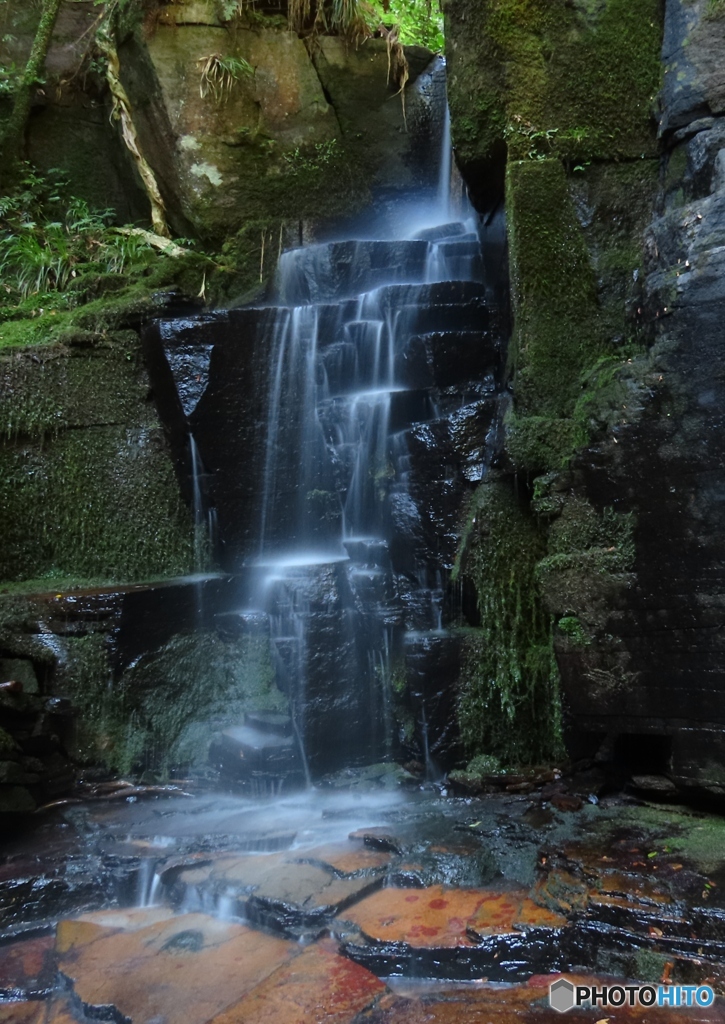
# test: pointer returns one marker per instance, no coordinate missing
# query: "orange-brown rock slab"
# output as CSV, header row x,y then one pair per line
x,y
182,971
22,1013
346,859
80,931
437,917
277,878
521,1004
319,985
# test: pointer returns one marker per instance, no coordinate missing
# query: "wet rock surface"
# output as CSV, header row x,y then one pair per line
x,y
371,907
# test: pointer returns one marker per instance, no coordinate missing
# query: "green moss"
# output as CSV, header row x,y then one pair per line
x,y
571,627
54,388
554,291
581,80
96,309
98,502
87,487
537,443
697,838
590,556
509,693
55,583
574,290
162,712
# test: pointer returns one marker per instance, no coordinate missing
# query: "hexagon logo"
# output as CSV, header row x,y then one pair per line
x,y
561,995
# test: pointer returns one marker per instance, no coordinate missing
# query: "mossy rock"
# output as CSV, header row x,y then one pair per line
x,y
165,708
553,77
87,485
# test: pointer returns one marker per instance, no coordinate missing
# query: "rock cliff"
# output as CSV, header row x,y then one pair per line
x,y
614,191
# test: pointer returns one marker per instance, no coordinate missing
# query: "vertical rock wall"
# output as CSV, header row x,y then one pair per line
x,y
614,439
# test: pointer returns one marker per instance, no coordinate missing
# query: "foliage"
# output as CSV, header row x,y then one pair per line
x,y
219,75
415,22
49,240
509,696
8,79
420,22
308,160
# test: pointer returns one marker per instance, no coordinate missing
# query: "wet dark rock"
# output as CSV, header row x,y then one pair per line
x,y
373,777
245,749
467,783
15,800
694,81
187,346
11,773
336,270
240,623
655,785
27,968
563,801
431,658
270,721
377,839
442,231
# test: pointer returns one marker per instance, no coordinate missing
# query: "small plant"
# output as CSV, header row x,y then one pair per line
x,y
231,9
419,22
8,78
219,75
573,629
484,764
311,159
536,143
48,239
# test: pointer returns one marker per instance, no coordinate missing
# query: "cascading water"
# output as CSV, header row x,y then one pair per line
x,y
344,353
340,429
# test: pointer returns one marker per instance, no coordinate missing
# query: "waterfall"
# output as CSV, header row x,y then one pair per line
x,y
341,426
351,366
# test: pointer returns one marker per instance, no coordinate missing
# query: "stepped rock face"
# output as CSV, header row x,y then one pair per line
x,y
619,302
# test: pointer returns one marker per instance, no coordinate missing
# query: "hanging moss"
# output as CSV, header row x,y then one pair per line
x,y
509,697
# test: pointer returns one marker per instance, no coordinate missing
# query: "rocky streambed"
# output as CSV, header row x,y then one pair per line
x,y
357,904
